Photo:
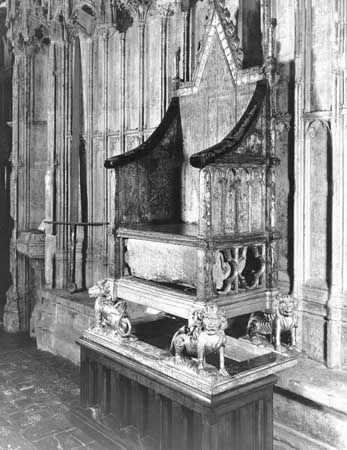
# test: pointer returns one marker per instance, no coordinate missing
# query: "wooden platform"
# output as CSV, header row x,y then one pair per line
x,y
179,302
135,386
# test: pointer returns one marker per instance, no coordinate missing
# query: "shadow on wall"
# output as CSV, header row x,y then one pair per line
x,y
6,223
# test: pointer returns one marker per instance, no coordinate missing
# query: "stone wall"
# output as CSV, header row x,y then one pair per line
x,y
319,167
59,319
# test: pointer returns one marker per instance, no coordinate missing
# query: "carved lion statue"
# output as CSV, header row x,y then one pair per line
x,y
283,319
109,312
204,334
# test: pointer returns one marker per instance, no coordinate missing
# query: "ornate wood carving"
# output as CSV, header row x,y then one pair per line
x,y
234,248
232,199
239,268
230,31
148,177
147,180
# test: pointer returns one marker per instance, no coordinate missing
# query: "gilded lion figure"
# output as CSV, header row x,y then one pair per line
x,y
284,318
204,334
110,313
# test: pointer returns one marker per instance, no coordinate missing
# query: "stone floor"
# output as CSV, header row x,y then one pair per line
x,y
37,391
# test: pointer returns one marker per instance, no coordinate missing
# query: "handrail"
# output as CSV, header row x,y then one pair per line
x,y
154,139
242,129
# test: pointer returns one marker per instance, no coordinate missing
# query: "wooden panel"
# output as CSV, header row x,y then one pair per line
x,y
147,189
257,200
206,119
242,422
230,202
237,199
242,202
218,97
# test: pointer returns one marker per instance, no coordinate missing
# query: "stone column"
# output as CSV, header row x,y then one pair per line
x,y
63,145
50,176
104,260
299,145
16,314
90,55
338,207
299,162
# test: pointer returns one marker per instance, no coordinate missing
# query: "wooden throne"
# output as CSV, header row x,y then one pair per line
x,y
194,222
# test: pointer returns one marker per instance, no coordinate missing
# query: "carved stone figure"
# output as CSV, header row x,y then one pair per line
x,y
283,319
204,334
110,313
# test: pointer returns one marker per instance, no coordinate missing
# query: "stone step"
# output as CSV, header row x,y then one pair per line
x,y
310,408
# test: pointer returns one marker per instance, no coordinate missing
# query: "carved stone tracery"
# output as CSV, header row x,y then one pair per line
x,y
167,7
139,8
84,16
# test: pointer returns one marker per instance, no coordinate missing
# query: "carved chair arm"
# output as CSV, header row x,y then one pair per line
x,y
243,128
154,141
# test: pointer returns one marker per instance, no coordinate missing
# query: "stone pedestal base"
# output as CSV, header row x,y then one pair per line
x,y
60,319
11,312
